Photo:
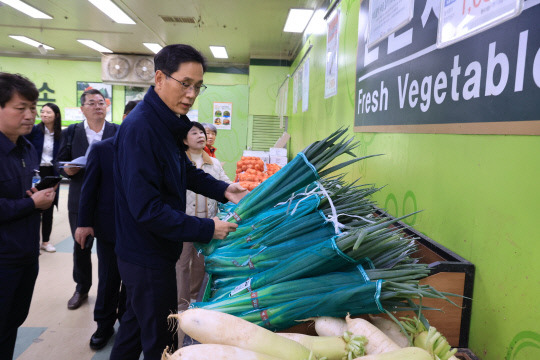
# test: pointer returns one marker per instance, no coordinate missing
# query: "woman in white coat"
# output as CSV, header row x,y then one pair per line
x,y
190,266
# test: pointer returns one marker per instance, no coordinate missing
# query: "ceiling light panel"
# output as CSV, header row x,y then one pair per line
x,y
29,41
297,20
155,48
219,52
114,12
27,9
94,45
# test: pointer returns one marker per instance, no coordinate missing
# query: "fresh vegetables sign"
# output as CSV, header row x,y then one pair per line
x,y
488,83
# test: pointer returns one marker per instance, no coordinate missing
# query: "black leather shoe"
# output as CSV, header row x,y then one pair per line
x,y
100,338
76,300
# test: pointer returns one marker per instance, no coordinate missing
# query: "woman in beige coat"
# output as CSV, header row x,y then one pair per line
x,y
190,266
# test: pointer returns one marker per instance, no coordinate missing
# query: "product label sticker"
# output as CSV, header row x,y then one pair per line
x,y
236,217
245,285
254,300
264,317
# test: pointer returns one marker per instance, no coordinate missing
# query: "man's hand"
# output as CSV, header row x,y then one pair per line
x,y
81,233
72,170
42,199
223,228
235,192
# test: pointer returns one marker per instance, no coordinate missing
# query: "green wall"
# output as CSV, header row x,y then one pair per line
x,y
479,194
62,75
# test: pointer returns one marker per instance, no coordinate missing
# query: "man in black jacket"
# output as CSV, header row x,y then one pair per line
x,y
151,175
75,142
19,207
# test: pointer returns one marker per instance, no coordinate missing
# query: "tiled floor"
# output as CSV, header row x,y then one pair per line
x,y
51,331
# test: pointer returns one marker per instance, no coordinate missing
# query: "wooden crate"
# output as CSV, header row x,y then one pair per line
x,y
449,273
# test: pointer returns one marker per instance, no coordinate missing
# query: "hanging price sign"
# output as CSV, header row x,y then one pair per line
x,y
460,19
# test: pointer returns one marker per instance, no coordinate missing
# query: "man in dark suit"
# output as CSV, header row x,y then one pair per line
x,y
75,142
96,218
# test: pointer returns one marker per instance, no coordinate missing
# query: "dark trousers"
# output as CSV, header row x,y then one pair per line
x,y
16,289
111,293
82,261
151,297
46,215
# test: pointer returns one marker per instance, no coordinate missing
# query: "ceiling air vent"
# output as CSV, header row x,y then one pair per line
x,y
178,19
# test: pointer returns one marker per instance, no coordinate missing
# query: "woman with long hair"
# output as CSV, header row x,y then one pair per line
x,y
45,137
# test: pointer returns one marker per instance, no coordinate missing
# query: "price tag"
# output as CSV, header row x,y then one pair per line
x,y
460,19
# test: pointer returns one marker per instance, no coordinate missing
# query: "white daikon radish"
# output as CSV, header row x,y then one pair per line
x,y
378,342
214,327
408,353
390,329
329,326
215,352
331,347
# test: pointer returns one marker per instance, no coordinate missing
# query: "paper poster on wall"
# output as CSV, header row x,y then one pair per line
x,y
105,89
332,47
305,85
461,19
388,16
281,103
73,114
295,93
193,115
222,115
134,93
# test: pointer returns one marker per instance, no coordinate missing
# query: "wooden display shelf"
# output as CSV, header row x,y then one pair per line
x,y
449,273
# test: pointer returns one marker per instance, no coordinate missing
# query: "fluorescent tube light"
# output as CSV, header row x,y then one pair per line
x,y
219,52
114,12
29,41
155,48
94,45
27,9
297,20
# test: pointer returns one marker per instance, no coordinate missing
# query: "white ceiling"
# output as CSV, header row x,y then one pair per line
x,y
249,29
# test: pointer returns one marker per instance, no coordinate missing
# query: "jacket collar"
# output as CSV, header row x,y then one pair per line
x,y
178,125
206,158
6,146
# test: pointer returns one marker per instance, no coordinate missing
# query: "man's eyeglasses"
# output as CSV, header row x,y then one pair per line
x,y
199,89
94,104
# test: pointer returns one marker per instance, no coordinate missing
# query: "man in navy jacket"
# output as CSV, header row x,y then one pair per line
x,y
96,218
151,175
19,207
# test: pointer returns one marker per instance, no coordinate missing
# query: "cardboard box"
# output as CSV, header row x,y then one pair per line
x,y
263,155
278,152
280,160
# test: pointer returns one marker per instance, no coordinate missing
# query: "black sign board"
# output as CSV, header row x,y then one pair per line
x,y
486,84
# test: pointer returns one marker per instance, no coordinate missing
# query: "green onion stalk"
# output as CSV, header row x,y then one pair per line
x,y
300,172
327,257
356,300
253,260
263,221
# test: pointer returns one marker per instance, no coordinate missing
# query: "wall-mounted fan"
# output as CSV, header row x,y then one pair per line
x,y
127,69
144,68
118,67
